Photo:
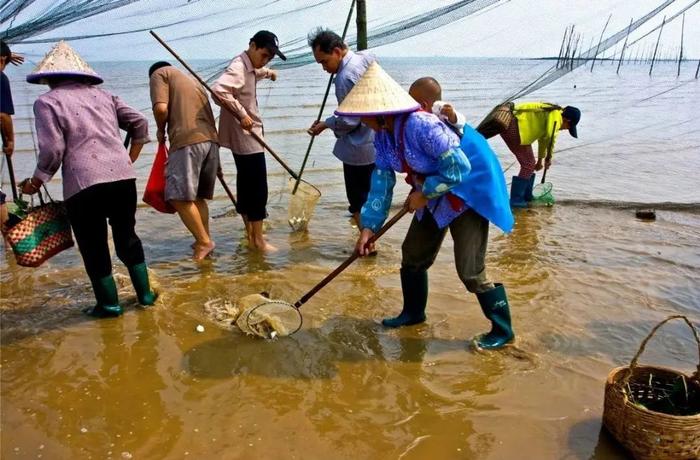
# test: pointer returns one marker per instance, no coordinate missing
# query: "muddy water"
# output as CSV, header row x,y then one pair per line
x,y
586,281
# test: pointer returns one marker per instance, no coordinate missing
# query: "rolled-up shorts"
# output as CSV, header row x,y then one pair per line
x,y
190,173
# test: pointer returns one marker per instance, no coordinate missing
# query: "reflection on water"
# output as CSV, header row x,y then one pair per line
x,y
586,281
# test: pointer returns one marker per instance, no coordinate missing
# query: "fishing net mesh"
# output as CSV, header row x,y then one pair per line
x,y
269,319
542,194
301,204
26,21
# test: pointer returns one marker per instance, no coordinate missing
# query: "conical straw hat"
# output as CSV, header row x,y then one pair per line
x,y
62,61
376,94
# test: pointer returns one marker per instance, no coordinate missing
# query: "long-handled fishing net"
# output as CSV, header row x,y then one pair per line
x,y
277,318
304,198
308,195
542,193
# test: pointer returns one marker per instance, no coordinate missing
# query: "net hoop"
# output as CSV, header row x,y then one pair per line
x,y
260,312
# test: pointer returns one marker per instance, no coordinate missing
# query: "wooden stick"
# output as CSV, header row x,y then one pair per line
x,y
622,53
599,41
225,105
549,152
323,105
657,46
350,259
561,48
11,172
680,53
220,175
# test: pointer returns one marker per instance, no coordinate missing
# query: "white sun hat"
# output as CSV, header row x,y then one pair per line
x,y
376,94
63,61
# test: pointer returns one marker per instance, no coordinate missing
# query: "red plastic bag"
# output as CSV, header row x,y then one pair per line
x,y
155,187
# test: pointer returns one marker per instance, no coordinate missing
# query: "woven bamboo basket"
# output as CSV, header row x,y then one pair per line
x,y
497,121
647,433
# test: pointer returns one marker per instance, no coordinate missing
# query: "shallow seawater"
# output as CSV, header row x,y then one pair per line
x,y
586,281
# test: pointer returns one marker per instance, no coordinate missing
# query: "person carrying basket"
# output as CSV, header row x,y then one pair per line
x,y
541,122
77,126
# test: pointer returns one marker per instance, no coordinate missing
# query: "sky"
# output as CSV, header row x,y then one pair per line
x,y
515,28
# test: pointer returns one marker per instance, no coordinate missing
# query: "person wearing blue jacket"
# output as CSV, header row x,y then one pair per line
x,y
420,145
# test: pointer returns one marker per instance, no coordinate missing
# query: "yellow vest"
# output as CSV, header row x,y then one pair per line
x,y
536,122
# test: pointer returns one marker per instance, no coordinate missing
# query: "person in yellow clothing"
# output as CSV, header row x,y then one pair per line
x,y
541,122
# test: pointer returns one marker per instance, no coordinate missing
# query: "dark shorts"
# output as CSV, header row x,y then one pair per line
x,y
357,182
251,185
191,172
3,197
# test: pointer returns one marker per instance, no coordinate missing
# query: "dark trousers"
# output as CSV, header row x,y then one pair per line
x,y
251,185
470,233
89,211
357,182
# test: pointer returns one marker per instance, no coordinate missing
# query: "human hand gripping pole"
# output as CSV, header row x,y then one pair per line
x,y
225,105
323,105
290,314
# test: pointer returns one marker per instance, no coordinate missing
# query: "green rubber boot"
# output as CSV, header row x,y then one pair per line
x,y
414,286
107,299
494,304
139,278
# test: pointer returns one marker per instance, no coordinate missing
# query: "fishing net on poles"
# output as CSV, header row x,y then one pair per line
x,y
554,73
301,204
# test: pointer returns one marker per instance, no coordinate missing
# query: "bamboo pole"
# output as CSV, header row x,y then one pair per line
x,y
622,53
653,58
568,47
225,105
680,53
573,52
361,22
599,41
323,105
561,48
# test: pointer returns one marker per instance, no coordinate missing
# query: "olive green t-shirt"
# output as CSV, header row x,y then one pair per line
x,y
190,118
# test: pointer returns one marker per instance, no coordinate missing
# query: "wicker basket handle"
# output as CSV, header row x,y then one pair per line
x,y
635,360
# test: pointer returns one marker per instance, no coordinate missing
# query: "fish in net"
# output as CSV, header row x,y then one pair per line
x,y
301,204
256,314
267,318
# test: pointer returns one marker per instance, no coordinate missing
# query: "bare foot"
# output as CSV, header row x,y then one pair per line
x,y
263,246
202,250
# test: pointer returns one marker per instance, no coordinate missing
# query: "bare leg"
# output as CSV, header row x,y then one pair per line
x,y
257,239
190,216
4,217
203,209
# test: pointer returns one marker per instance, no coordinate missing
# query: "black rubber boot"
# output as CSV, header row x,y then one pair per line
x,y
107,299
414,286
494,304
